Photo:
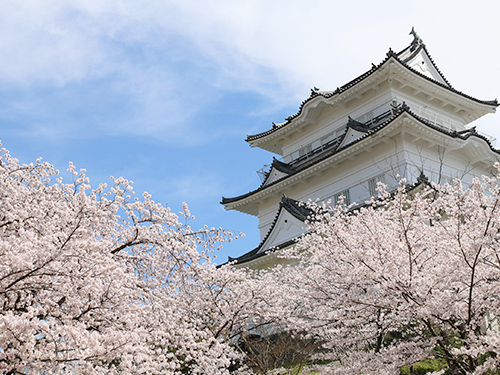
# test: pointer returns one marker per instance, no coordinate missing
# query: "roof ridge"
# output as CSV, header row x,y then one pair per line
x,y
398,112
353,82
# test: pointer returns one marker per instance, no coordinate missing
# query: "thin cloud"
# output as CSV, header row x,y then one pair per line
x,y
158,66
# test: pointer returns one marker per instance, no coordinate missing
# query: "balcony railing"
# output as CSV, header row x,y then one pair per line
x,y
424,112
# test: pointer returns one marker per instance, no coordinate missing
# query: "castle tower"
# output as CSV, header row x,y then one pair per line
x,y
400,119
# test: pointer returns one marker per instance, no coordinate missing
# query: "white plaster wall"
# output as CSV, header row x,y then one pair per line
x,y
385,158
334,118
422,64
396,158
287,227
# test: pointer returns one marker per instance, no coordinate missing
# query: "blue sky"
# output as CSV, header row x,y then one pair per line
x,y
164,92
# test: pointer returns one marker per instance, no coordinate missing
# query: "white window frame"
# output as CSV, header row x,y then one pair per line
x,y
373,184
347,197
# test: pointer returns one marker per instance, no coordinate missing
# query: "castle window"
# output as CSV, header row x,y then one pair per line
x,y
327,138
305,150
372,184
345,194
366,117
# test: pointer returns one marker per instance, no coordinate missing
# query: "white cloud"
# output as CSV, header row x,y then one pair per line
x,y
170,60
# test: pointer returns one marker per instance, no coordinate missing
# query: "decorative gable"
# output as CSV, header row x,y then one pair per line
x,y
274,175
422,63
288,224
351,136
286,228
406,115
355,130
277,172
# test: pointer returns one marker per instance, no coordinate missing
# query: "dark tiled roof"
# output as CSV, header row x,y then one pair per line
x,y
254,254
355,81
334,149
422,180
297,209
356,125
280,166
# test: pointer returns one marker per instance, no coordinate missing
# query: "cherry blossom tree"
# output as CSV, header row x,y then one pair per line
x,y
98,281
413,275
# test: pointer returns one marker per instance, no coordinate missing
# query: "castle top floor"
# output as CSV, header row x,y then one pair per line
x,y
409,77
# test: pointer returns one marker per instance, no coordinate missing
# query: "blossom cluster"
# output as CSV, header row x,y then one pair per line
x,y
99,281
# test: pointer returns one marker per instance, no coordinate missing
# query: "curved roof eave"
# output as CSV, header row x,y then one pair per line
x,y
313,96
256,253
386,123
375,68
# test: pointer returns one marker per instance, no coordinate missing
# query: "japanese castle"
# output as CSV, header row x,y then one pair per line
x,y
400,119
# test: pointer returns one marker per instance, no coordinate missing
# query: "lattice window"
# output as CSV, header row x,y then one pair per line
x,y
347,197
373,183
305,150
